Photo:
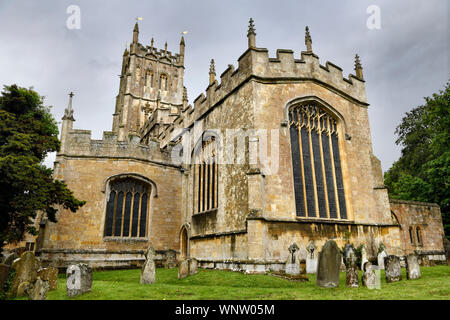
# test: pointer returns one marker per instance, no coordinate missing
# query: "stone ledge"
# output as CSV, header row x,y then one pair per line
x,y
417,203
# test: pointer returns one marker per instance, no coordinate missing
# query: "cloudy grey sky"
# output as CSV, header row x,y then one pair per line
x,y
404,61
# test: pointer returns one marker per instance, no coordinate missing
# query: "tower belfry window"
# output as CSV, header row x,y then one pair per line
x,y
318,181
163,82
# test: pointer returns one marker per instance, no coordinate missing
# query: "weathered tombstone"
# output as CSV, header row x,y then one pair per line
x,y
363,257
292,264
10,258
4,273
24,289
26,271
311,258
380,259
40,290
328,265
393,269
148,272
171,259
51,275
193,265
351,276
302,266
79,279
412,267
369,278
183,269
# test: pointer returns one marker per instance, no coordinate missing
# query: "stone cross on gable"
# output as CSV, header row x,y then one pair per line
x,y
292,249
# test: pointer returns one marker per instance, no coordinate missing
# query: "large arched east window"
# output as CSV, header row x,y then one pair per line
x,y
318,183
206,175
127,208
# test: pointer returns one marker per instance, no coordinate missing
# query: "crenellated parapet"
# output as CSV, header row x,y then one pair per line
x,y
256,65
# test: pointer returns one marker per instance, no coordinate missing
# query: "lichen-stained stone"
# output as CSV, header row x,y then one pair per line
x,y
25,271
49,274
148,272
193,266
79,279
380,258
369,277
328,267
171,259
412,267
183,269
40,290
392,268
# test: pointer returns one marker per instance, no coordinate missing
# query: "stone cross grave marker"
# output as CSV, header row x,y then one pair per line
x,y
311,258
292,265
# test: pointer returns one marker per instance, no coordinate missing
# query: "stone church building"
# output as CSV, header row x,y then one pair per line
x,y
278,151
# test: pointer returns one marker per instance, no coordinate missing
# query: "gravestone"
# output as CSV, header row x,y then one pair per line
x,y
183,269
328,265
380,259
351,276
40,290
51,275
148,272
311,258
369,278
10,258
171,259
79,279
392,268
292,264
193,266
26,271
24,289
412,267
363,257
4,273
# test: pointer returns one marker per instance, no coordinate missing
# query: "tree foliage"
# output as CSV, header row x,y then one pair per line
x,y
27,133
422,172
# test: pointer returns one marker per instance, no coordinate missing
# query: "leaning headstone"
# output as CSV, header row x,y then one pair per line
x,y
171,259
351,276
292,264
40,290
24,289
380,259
328,265
4,273
369,278
363,257
311,258
148,272
183,269
10,258
412,267
51,275
193,266
26,271
79,279
393,269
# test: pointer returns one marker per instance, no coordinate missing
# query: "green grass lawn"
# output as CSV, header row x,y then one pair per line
x,y
216,285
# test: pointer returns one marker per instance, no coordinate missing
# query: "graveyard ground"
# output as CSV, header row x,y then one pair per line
x,y
217,285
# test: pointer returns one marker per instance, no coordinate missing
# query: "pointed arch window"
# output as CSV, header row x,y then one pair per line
x,y
163,82
149,78
206,176
127,208
418,234
318,182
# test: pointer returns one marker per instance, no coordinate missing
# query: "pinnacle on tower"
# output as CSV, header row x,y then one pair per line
x,y
308,40
182,41
251,34
212,72
152,42
182,45
135,33
68,112
358,68
165,48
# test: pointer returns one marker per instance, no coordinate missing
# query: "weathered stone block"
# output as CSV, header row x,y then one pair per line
x,y
50,275
40,290
26,271
393,269
193,266
183,269
79,279
148,272
412,267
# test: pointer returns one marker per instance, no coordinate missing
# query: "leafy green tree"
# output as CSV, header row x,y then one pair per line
x,y
422,172
27,133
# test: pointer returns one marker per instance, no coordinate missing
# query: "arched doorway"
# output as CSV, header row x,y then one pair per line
x,y
184,243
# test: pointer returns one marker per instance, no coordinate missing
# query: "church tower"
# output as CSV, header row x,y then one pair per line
x,y
151,81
